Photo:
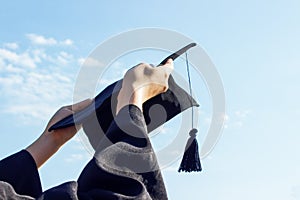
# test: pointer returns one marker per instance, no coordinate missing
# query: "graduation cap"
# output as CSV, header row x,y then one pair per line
x,y
97,117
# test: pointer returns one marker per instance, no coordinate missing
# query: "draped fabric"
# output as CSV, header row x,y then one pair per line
x,y
123,167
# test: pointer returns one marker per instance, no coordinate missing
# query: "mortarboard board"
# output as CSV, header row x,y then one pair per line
x,y
97,117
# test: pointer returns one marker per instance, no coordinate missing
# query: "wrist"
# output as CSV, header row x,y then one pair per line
x,y
42,149
127,97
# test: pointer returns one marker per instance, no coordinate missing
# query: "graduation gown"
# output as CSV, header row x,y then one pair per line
x,y
123,167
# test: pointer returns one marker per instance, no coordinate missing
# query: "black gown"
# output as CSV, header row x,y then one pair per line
x,y
123,167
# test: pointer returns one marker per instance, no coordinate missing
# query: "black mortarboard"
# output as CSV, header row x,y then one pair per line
x,y
97,117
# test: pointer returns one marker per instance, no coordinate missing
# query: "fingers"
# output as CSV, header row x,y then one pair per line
x,y
168,67
70,109
169,63
81,105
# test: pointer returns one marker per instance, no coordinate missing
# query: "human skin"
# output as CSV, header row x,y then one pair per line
x,y
140,83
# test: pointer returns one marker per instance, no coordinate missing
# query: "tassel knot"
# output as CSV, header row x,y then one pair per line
x,y
191,161
193,133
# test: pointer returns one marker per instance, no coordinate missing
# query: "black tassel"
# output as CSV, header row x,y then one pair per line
x,y
191,161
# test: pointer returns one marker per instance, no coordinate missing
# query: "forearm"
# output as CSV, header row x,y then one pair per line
x,y
129,97
43,148
49,142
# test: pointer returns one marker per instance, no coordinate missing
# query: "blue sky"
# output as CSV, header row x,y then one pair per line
x,y
254,45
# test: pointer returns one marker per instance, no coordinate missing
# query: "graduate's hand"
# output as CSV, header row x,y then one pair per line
x,y
143,82
61,136
49,142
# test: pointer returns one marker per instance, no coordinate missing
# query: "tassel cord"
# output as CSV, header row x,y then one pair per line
x,y
191,161
190,85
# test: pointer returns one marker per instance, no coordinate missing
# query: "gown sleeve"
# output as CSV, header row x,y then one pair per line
x,y
20,171
123,167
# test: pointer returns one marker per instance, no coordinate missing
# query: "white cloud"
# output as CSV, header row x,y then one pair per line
x,y
90,62
27,113
35,95
64,58
2,64
41,55
33,83
119,68
67,42
23,59
237,118
80,61
11,80
240,117
50,41
226,117
41,40
242,113
12,46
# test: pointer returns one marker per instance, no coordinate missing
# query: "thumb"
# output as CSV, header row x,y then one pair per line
x,y
168,67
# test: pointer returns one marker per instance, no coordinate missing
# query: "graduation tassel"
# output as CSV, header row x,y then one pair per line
x,y
191,161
